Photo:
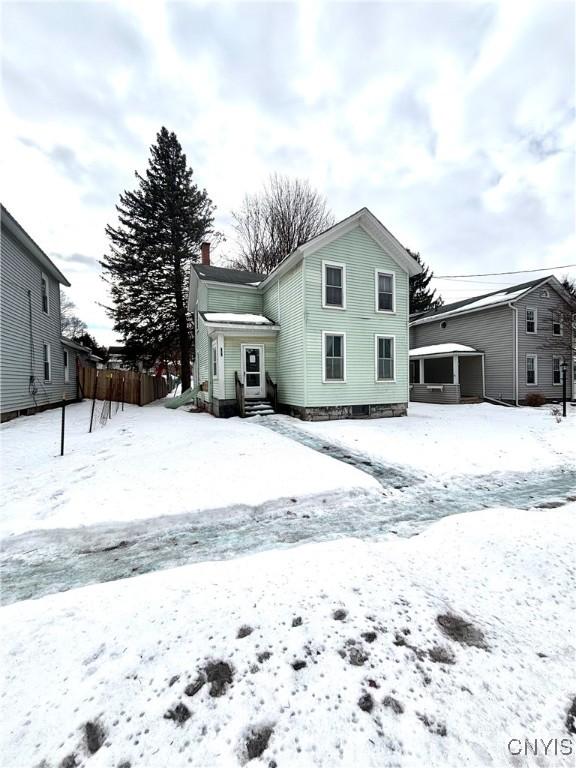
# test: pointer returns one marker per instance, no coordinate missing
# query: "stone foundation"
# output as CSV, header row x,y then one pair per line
x,y
328,412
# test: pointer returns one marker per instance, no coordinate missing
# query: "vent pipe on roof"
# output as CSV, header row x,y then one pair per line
x,y
205,251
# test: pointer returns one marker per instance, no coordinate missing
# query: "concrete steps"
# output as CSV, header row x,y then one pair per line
x,y
258,408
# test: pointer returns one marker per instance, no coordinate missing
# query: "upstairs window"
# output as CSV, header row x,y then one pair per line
x,y
384,291
334,285
334,357
557,324
44,292
556,370
531,320
47,362
384,358
531,369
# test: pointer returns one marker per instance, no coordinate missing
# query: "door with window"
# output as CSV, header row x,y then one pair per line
x,y
253,370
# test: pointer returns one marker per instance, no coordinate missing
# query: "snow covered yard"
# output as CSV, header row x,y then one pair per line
x,y
459,439
148,462
430,651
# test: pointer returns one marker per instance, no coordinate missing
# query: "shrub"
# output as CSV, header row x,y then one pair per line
x,y
535,399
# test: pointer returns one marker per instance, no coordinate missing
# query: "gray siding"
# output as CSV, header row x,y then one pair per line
x,y
543,344
490,331
448,395
22,337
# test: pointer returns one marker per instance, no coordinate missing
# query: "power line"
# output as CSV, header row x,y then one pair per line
x,y
516,272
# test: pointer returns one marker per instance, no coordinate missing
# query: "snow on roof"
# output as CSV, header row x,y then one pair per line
x,y
236,317
440,349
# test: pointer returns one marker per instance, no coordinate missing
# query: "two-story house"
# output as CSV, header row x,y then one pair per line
x,y
501,346
38,366
323,336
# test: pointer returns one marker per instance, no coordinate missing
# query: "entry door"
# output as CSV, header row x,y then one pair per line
x,y
253,370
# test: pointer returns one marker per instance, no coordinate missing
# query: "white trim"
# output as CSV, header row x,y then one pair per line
x,y
213,329
324,379
455,370
214,358
46,346
535,382
66,359
337,265
378,336
386,272
535,331
44,279
560,358
262,388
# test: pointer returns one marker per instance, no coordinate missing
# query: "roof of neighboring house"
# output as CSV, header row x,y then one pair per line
x,y
74,345
442,349
226,275
483,301
20,234
116,350
243,318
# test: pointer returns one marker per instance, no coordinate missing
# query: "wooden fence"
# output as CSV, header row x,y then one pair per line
x,y
121,386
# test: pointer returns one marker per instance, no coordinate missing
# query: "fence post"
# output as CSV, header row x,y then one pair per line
x,y
110,398
123,382
63,424
93,403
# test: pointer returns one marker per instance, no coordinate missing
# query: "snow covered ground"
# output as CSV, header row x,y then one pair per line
x,y
430,651
459,439
151,461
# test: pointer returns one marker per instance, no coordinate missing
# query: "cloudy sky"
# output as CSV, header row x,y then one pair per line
x,y
453,122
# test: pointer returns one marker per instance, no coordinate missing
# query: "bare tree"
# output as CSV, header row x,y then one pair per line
x,y
273,222
72,326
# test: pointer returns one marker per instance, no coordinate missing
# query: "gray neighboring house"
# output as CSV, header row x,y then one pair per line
x,y
499,346
37,365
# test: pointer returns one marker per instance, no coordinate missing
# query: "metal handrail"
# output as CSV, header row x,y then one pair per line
x,y
271,391
240,399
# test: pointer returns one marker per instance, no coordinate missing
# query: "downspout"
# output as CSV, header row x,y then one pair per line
x,y
515,356
304,337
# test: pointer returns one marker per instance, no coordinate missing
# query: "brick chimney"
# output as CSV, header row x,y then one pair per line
x,y
205,250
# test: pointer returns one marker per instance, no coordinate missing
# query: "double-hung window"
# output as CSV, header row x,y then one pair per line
x,y
557,324
214,360
531,320
384,291
556,370
334,356
531,369
44,292
66,368
47,362
384,358
333,285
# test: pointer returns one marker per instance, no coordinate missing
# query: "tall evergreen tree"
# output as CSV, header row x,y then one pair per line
x,y
161,226
422,298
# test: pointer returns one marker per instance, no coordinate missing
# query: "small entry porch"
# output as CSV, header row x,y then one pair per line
x,y
446,373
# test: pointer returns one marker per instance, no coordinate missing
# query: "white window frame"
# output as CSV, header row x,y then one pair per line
x,y
557,313
386,272
560,359
535,382
44,279
66,366
377,337
335,265
46,358
324,379
535,331
214,360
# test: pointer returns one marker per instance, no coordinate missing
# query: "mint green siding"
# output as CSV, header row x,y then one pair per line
x,y
233,299
233,361
359,321
284,303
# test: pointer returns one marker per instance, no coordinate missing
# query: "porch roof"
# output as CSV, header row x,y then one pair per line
x,y
443,350
235,318
239,324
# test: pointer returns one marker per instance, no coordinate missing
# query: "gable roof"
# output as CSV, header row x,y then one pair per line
x,y
32,247
226,275
486,300
370,224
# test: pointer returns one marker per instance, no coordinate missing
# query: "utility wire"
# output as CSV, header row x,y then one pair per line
x,y
516,272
